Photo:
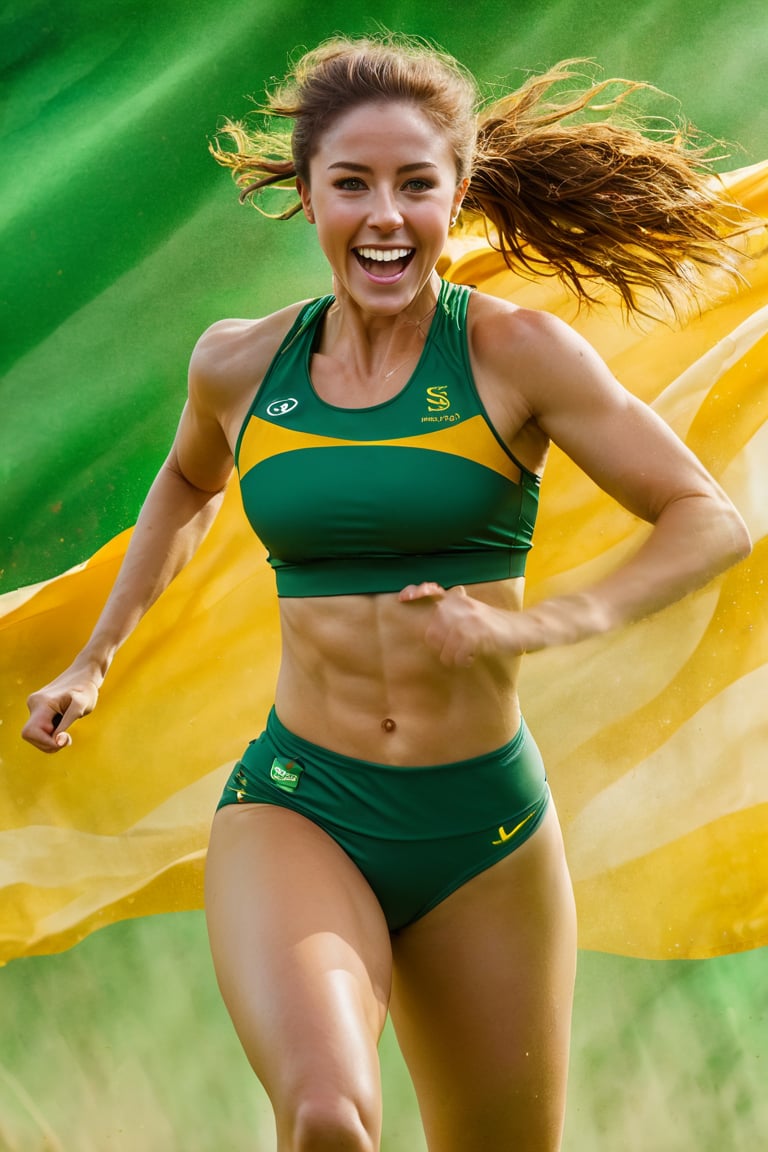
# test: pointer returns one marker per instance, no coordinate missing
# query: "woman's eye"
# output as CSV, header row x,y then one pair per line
x,y
355,184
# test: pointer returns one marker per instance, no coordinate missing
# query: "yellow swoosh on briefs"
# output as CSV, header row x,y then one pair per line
x,y
508,835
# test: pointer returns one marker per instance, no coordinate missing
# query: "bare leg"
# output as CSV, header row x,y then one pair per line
x,y
482,998
303,959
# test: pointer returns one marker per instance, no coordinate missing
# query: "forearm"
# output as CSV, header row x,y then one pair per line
x,y
173,522
695,538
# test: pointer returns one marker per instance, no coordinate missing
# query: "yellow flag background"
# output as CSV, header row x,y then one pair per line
x,y
655,737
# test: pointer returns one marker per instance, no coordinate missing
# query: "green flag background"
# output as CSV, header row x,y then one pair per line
x,y
121,241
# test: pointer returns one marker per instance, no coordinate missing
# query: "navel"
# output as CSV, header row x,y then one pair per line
x,y
388,724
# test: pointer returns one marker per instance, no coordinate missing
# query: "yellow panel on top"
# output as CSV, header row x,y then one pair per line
x,y
472,439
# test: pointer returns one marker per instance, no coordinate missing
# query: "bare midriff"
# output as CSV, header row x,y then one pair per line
x,y
358,678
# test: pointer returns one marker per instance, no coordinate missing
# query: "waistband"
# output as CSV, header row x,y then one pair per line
x,y
280,734
511,777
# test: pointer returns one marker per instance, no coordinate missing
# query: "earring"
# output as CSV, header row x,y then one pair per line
x,y
454,218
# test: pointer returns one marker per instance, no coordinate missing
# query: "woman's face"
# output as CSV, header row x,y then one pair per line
x,y
382,192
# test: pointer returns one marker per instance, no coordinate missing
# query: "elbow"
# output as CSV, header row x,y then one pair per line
x,y
743,543
207,488
718,537
737,542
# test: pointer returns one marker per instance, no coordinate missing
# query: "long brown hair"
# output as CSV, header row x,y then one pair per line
x,y
563,180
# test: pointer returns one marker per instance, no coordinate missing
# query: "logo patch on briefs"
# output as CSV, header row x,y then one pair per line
x,y
282,407
285,774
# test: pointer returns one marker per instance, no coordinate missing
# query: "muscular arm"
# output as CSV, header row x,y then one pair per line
x,y
563,392
173,522
177,513
633,456
226,367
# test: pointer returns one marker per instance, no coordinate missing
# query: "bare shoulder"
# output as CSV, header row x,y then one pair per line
x,y
231,357
535,351
571,398
554,373
521,359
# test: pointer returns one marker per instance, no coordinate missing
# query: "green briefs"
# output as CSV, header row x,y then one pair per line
x,y
416,834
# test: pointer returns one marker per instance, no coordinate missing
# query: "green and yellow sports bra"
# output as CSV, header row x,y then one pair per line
x,y
358,500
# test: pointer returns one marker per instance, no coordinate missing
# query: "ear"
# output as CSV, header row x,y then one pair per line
x,y
306,199
461,192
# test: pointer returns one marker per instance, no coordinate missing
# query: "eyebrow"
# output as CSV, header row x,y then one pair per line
x,y
351,167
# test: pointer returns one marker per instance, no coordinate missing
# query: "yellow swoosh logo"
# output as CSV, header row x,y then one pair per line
x,y
504,836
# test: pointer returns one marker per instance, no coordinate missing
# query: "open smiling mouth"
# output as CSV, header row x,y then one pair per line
x,y
384,262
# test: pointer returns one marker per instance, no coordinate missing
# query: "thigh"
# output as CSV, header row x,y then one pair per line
x,y
303,959
481,1002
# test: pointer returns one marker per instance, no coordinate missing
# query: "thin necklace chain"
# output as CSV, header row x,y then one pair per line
x,y
414,324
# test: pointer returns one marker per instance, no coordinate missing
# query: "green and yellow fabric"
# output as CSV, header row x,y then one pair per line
x,y
658,776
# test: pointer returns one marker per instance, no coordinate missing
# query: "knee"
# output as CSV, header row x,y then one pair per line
x,y
332,1124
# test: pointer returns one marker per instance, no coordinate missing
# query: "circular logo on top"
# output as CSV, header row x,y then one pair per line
x,y
282,407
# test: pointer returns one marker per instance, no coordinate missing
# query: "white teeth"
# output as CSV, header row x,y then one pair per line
x,y
384,254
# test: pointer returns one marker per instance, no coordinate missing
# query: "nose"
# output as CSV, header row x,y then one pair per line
x,y
385,215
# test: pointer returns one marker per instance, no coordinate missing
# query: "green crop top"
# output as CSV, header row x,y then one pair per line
x,y
356,500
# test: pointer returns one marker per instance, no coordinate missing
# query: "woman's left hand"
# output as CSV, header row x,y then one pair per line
x,y
461,628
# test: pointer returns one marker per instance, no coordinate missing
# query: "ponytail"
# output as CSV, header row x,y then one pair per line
x,y
593,201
